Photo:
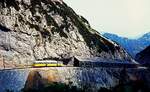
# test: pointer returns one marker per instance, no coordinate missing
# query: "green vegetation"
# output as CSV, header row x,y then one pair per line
x,y
56,87
132,86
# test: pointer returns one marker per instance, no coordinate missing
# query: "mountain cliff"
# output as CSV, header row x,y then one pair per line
x,y
144,56
89,79
46,29
132,46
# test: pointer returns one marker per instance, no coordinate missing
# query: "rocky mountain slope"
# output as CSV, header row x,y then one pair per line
x,y
46,29
144,56
132,46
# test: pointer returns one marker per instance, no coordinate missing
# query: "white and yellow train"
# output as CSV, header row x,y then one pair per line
x,y
48,63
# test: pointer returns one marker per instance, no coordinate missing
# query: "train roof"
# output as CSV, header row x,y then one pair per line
x,y
41,61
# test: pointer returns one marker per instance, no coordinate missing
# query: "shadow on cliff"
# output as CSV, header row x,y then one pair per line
x,y
3,28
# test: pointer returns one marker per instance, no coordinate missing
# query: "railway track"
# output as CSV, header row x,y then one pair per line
x,y
19,68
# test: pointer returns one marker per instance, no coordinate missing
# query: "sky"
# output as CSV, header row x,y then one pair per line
x,y
127,18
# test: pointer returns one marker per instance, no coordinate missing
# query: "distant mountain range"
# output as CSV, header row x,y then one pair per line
x,y
132,46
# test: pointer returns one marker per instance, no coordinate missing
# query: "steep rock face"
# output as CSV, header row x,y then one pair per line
x,y
44,29
132,46
90,78
144,56
13,79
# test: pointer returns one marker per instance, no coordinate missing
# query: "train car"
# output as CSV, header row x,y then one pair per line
x,y
98,62
108,64
47,63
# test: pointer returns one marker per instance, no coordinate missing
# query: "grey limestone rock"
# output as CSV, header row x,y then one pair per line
x,y
36,29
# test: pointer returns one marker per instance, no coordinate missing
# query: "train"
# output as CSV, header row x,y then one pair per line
x,y
53,63
47,63
84,62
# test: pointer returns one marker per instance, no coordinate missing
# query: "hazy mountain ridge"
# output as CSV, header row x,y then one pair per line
x,y
132,46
